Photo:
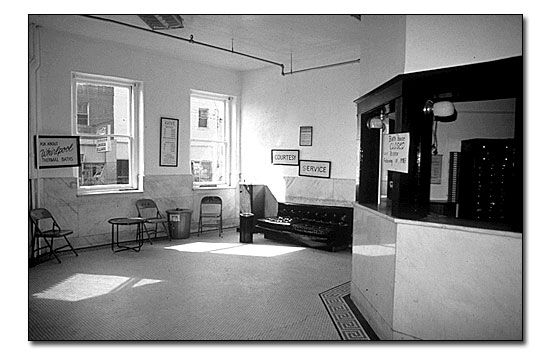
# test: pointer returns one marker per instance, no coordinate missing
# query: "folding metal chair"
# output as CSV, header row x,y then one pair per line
x,y
46,227
148,210
210,208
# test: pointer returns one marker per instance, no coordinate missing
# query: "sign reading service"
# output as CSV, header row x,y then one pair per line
x,y
314,168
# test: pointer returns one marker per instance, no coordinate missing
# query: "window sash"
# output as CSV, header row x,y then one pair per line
x,y
214,150
222,141
128,134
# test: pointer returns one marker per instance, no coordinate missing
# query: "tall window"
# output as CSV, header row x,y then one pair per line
x,y
106,116
210,138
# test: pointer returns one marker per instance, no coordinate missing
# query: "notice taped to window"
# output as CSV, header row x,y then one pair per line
x,y
395,152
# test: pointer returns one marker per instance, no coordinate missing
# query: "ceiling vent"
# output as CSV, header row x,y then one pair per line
x,y
159,22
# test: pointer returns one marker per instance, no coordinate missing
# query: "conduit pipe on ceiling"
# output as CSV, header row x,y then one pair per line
x,y
190,40
232,51
324,66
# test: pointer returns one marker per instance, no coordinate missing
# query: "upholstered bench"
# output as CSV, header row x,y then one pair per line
x,y
317,226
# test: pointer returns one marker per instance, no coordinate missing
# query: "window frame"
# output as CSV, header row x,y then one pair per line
x,y
229,121
135,132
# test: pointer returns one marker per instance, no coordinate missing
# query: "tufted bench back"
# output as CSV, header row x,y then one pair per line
x,y
323,214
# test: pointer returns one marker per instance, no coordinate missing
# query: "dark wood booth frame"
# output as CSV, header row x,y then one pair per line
x,y
405,94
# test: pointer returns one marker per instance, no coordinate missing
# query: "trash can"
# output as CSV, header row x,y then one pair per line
x,y
246,227
179,221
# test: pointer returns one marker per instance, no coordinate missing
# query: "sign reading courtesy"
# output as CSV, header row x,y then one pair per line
x,y
57,151
285,156
315,168
395,152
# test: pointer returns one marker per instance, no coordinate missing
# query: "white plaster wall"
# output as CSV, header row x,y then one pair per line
x,y
435,41
273,109
382,50
167,83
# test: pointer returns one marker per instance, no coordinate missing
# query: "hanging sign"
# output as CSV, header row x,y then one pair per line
x,y
395,152
57,151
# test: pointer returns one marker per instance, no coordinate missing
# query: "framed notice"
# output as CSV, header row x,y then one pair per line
x,y
306,135
169,142
436,167
57,151
285,156
315,168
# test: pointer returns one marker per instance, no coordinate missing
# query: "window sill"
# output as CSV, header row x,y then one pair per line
x,y
104,192
207,188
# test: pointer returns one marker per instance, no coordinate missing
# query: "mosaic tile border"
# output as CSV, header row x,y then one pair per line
x,y
348,321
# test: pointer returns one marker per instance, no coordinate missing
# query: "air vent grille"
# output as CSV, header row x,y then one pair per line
x,y
163,22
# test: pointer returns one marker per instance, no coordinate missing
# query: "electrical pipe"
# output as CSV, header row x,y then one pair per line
x,y
324,66
190,40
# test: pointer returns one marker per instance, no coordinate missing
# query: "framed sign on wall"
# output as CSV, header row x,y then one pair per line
x,y
285,156
169,142
315,168
306,135
57,151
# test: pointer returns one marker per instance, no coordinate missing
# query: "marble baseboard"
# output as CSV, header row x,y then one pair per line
x,y
383,330
87,215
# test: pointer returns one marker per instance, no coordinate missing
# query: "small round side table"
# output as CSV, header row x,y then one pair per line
x,y
117,222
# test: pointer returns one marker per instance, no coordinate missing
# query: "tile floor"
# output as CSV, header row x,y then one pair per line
x,y
200,288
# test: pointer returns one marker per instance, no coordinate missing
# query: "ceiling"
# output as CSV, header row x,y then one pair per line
x,y
305,40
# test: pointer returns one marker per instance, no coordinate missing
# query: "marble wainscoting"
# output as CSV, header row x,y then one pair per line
x,y
373,269
415,280
330,191
87,215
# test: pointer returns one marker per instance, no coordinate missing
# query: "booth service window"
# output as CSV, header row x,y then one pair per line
x,y
106,116
210,138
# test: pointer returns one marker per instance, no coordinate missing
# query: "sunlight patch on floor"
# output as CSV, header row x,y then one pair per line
x,y
259,250
83,286
256,250
199,247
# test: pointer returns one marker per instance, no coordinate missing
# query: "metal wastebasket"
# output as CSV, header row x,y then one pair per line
x,y
179,221
246,227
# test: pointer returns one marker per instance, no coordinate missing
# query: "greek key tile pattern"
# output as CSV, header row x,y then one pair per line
x,y
345,320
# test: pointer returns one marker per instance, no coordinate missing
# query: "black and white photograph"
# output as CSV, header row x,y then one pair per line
x,y
154,233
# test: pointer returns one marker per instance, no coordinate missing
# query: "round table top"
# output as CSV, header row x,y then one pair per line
x,y
126,221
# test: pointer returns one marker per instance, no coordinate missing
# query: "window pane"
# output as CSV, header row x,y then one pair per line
x,y
105,161
103,109
207,118
208,162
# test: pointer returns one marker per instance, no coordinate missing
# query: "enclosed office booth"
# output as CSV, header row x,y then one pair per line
x,y
400,159
437,238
